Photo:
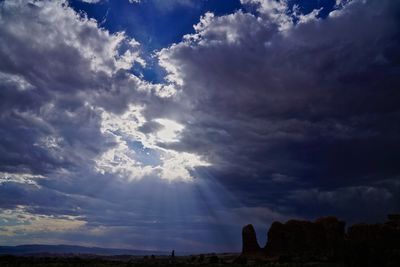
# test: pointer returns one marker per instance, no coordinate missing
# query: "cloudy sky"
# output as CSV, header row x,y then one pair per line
x,y
170,124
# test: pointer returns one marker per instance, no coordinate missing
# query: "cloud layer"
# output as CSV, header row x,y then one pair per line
x,y
264,114
280,100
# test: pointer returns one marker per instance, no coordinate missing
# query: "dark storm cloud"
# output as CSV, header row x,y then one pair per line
x,y
316,101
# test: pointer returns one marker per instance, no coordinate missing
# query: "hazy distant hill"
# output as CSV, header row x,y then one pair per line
x,y
65,249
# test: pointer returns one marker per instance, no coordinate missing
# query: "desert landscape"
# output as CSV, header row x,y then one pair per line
x,y
296,243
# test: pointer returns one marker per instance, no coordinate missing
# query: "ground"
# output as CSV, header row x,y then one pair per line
x,y
131,261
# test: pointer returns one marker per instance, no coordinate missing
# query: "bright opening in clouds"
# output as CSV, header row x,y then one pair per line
x,y
170,124
169,131
140,150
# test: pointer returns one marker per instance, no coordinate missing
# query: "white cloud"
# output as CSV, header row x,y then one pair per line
x,y
177,165
92,1
22,178
18,221
56,65
157,160
54,26
16,81
169,132
278,12
275,11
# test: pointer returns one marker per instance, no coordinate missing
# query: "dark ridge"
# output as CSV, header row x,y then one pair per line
x,y
325,240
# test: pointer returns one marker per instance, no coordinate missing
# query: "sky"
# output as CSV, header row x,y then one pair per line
x,y
170,124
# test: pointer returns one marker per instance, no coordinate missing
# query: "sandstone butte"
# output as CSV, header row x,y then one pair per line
x,y
324,239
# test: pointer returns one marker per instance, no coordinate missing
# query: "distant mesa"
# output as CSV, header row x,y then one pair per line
x,y
326,240
65,249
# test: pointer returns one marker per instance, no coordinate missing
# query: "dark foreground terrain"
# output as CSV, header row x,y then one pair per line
x,y
194,260
130,261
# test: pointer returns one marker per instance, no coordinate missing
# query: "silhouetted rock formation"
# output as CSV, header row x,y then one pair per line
x,y
376,236
326,240
320,238
374,244
249,237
